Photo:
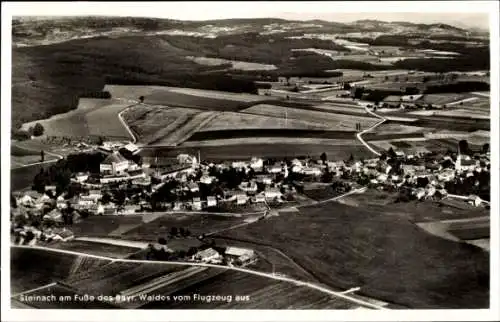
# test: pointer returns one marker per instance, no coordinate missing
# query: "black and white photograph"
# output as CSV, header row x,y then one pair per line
x,y
249,156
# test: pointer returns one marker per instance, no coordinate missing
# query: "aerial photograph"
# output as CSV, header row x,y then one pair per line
x,y
282,162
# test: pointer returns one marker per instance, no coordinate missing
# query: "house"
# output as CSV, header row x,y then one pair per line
x,y
26,200
392,101
206,179
475,200
136,174
94,194
272,193
257,164
132,148
382,177
177,205
399,154
412,169
248,187
50,188
63,235
208,255
114,164
129,209
446,175
264,179
193,187
260,197
241,199
311,171
61,203
81,177
419,193
277,168
297,168
211,201
54,215
239,164
196,203
463,164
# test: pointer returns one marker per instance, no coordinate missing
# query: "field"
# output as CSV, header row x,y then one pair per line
x,y
102,226
241,65
117,277
233,120
32,268
21,178
93,117
196,223
320,191
394,128
20,156
281,133
375,249
235,151
96,248
263,294
334,121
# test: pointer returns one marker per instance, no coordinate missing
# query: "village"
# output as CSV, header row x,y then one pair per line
x,y
126,184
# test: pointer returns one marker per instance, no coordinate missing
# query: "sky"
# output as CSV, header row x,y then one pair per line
x,y
459,13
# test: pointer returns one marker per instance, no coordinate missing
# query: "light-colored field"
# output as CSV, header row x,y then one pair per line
x,y
240,65
465,112
333,121
271,140
444,98
183,130
97,117
398,129
343,108
130,91
240,97
234,120
152,123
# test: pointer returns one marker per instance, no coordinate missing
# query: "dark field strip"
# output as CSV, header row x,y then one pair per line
x,y
383,137
249,133
20,152
471,233
180,126
401,144
453,123
247,151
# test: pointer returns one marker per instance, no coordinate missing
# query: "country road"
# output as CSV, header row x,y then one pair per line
x,y
358,135
120,117
244,270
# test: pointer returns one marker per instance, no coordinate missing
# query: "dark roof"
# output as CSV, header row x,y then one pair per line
x,y
114,158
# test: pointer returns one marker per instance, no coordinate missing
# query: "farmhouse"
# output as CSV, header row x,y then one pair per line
x,y
114,164
272,193
208,255
257,164
211,201
264,179
277,168
206,179
196,203
243,255
248,187
81,177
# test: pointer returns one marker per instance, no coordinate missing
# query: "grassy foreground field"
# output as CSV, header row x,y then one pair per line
x,y
31,268
387,256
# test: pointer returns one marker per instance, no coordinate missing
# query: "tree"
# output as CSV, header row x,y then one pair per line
x,y
323,157
485,148
173,231
327,176
13,201
141,99
162,241
391,153
38,129
182,232
42,156
463,145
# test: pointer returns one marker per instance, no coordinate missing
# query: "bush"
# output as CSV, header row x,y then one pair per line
x,y
38,129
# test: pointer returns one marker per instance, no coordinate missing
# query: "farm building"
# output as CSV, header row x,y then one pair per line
x,y
243,255
272,193
208,255
249,187
211,201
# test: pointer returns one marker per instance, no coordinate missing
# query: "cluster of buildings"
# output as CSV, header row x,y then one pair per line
x,y
233,256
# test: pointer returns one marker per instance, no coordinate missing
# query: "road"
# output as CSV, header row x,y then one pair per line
x,y
58,156
244,270
359,135
120,117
